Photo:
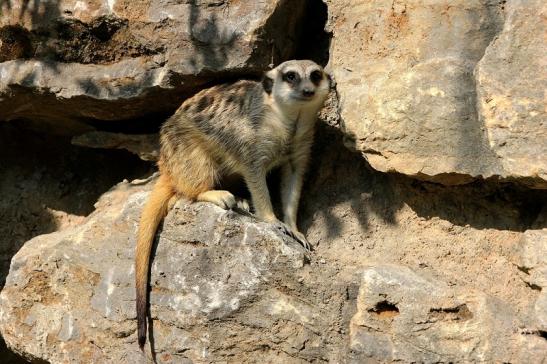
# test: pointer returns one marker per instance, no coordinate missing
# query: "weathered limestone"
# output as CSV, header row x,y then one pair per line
x,y
70,295
428,90
402,316
116,60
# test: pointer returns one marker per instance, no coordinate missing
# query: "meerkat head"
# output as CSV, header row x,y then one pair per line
x,y
297,83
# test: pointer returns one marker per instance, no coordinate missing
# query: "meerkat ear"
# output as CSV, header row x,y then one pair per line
x,y
267,82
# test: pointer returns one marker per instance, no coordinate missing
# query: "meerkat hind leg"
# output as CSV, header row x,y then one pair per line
x,y
222,198
172,201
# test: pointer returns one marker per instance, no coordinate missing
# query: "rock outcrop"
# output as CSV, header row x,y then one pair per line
x,y
443,91
426,89
404,317
72,292
64,61
403,269
383,283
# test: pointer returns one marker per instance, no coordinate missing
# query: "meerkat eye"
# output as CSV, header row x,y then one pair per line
x,y
316,76
290,76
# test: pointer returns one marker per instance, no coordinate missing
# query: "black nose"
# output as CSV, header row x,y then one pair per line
x,y
308,92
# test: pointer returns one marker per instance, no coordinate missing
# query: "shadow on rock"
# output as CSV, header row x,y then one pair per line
x,y
338,176
47,184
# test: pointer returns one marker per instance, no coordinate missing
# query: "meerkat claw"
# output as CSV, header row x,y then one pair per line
x,y
301,238
242,207
296,235
243,204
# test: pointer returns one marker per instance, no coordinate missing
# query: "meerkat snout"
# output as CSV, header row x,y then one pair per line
x,y
308,92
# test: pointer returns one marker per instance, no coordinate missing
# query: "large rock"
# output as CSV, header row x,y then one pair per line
x,y
511,85
405,76
402,316
228,288
70,295
112,60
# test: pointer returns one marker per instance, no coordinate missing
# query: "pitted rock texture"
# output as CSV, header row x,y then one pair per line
x,y
531,259
73,291
443,91
117,60
402,316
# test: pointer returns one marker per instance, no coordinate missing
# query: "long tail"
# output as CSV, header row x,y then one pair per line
x,y
152,214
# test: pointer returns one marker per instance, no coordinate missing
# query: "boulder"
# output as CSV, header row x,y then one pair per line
x,y
403,316
96,60
430,90
511,85
70,294
226,287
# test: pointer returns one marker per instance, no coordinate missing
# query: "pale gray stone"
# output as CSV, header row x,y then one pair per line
x,y
403,316
68,60
411,101
70,294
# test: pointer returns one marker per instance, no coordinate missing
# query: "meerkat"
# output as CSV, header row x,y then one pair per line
x,y
244,128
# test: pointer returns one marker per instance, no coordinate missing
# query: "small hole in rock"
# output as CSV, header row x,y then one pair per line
x,y
458,313
385,309
540,333
533,286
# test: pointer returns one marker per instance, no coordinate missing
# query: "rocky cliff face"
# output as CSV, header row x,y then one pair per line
x,y
443,91
74,61
441,261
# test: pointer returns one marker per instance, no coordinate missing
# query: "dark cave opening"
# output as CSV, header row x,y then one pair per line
x,y
314,40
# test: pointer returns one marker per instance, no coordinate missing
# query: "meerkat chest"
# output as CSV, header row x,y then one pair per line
x,y
282,136
278,133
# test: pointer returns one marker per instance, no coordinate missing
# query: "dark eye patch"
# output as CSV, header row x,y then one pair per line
x,y
291,77
316,77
